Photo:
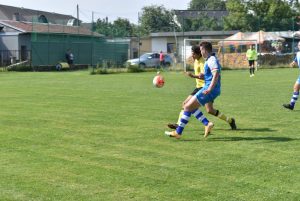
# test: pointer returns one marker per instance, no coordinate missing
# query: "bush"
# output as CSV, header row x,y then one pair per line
x,y
275,59
134,69
20,68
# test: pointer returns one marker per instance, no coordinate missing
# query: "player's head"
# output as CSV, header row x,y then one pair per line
x,y
205,48
196,53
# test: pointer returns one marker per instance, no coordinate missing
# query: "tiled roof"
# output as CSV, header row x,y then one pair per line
x,y
28,27
26,14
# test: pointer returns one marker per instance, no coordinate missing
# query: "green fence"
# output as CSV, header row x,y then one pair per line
x,y
50,48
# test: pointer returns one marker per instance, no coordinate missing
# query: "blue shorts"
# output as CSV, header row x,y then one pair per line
x,y
206,98
298,80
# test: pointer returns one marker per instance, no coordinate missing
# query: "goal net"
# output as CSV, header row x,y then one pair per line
x,y
231,53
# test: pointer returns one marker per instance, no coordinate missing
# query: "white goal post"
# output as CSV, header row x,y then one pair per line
x,y
231,53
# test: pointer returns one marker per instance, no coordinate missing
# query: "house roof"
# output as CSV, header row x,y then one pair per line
x,y
24,14
28,27
194,33
196,13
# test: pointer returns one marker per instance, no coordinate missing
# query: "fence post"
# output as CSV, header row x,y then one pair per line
x,y
1,58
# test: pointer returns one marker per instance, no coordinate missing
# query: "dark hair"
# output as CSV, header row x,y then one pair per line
x,y
196,50
207,46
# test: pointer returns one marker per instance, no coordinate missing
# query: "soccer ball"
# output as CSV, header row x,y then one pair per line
x,y
158,81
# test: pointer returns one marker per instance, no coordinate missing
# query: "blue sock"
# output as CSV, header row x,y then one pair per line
x,y
294,98
199,115
183,121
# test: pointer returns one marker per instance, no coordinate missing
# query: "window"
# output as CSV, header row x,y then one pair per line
x,y
42,19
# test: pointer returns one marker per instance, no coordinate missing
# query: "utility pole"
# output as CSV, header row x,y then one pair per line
x,y
139,37
77,15
293,43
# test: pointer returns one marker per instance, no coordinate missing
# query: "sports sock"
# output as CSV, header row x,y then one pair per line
x,y
179,117
183,121
250,70
253,70
294,98
199,115
223,117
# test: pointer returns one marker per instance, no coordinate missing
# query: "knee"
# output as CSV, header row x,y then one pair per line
x,y
189,107
296,87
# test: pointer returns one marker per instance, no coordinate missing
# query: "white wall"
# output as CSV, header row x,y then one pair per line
x,y
9,42
159,44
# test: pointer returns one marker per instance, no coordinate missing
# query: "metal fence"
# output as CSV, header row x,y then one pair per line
x,y
8,57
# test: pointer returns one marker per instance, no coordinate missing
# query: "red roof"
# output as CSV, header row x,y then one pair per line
x,y
28,27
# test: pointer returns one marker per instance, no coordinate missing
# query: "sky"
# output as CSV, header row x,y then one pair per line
x,y
112,9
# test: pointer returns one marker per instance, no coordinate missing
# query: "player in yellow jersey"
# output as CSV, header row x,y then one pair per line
x,y
198,75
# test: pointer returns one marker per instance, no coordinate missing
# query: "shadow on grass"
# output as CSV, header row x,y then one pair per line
x,y
273,139
249,129
232,139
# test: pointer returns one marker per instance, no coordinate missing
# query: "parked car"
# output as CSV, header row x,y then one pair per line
x,y
150,60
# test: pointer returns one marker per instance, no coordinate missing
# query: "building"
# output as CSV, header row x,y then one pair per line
x,y
42,39
29,15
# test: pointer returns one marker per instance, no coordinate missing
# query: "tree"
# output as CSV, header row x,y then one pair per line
x,y
254,15
238,18
203,21
122,28
271,15
119,28
207,5
156,19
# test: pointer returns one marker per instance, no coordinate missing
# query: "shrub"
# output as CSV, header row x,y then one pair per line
x,y
134,69
19,68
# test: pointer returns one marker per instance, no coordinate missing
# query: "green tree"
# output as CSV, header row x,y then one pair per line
x,y
122,28
119,28
104,27
254,15
156,19
271,15
207,5
202,22
238,18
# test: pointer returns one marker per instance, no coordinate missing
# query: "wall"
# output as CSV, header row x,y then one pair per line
x,y
159,44
9,41
146,45
9,48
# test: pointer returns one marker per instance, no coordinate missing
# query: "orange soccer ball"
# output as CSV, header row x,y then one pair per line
x,y
158,81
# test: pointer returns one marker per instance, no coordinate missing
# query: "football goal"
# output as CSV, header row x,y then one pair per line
x,y
231,53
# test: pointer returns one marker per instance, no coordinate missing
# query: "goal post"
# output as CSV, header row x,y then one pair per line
x,y
231,53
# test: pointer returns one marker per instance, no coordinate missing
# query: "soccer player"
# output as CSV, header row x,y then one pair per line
x,y
251,55
295,95
210,91
199,70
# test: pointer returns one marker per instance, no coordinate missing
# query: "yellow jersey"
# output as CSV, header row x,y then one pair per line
x,y
251,54
199,68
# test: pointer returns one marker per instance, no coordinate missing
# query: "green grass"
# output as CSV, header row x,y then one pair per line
x,y
75,136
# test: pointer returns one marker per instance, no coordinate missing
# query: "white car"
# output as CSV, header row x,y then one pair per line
x,y
150,60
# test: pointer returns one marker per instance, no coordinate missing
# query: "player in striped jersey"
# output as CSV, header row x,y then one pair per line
x,y
295,95
208,93
199,69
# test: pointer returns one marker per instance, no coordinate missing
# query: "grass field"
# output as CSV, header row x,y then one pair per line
x,y
75,136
